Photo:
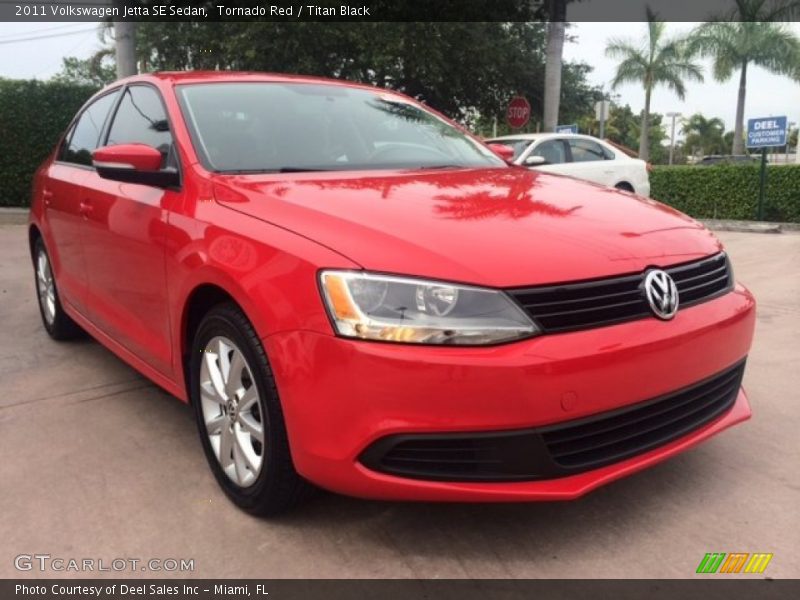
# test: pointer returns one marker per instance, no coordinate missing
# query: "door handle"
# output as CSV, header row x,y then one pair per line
x,y
85,208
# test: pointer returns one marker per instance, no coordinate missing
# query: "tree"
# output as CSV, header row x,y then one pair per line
x,y
97,70
624,128
750,37
463,69
556,29
577,94
727,140
655,61
704,136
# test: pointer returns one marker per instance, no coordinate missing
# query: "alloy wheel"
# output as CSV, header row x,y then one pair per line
x,y
45,287
231,410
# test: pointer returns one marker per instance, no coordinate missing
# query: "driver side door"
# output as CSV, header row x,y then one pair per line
x,y
125,238
556,154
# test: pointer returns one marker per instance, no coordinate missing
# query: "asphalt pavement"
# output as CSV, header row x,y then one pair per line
x,y
98,463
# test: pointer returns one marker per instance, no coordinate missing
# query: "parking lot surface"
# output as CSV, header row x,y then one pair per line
x,y
99,463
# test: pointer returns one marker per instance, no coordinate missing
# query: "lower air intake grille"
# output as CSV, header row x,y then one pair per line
x,y
558,450
612,437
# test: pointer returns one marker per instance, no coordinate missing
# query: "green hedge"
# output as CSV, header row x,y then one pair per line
x,y
729,191
33,115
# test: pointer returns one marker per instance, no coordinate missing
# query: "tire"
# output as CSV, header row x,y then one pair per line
x,y
58,324
257,475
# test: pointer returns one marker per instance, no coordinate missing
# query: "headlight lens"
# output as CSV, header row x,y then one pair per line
x,y
416,311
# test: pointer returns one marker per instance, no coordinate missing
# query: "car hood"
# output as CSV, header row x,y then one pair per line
x,y
498,227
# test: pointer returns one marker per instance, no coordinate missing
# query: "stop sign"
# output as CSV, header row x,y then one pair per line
x,y
519,112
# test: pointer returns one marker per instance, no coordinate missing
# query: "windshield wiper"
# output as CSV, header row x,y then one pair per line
x,y
281,170
438,167
301,170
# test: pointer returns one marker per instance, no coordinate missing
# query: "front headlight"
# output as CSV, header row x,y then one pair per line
x,y
416,311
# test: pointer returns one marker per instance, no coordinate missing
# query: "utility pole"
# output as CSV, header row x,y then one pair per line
x,y
673,115
124,34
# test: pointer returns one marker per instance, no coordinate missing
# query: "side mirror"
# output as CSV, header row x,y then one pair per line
x,y
133,163
535,161
503,151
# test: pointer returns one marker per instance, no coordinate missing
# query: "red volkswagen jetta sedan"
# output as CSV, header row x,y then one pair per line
x,y
353,291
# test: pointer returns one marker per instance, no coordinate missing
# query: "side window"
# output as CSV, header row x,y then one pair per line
x,y
586,150
552,151
140,119
85,134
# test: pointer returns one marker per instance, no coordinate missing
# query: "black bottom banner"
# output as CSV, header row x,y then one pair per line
x,y
400,589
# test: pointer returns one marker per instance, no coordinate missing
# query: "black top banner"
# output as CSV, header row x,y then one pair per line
x,y
391,10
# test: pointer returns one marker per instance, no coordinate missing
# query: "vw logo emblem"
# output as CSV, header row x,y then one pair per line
x,y
661,294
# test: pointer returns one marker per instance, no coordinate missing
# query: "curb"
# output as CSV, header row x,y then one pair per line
x,y
13,216
750,226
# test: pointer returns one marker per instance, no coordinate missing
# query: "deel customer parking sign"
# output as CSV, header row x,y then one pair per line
x,y
766,132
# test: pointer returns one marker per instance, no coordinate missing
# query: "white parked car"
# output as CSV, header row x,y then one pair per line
x,y
579,156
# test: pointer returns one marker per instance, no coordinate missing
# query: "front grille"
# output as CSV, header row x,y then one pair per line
x,y
558,450
587,304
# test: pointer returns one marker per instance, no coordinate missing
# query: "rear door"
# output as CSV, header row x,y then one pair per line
x,y
125,235
65,199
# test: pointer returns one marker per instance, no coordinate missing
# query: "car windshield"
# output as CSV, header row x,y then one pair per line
x,y
284,127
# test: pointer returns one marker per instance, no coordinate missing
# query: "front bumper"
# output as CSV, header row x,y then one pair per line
x,y
340,396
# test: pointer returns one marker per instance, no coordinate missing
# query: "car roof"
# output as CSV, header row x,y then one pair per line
x,y
541,136
190,77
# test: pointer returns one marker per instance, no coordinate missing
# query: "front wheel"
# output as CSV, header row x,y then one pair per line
x,y
239,416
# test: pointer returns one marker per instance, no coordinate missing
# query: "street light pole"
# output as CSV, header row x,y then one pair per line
x,y
673,115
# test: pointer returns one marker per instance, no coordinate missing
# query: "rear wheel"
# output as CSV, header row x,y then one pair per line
x,y
239,416
625,186
56,322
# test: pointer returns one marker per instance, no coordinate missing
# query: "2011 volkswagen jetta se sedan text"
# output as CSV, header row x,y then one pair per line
x,y
353,291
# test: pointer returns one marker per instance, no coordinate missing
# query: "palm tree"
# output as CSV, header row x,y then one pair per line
x,y
749,37
655,61
556,27
705,135
727,141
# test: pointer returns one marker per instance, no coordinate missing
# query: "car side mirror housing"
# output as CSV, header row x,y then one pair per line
x,y
503,151
535,161
134,163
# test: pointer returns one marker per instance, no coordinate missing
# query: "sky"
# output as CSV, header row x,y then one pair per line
x,y
767,95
